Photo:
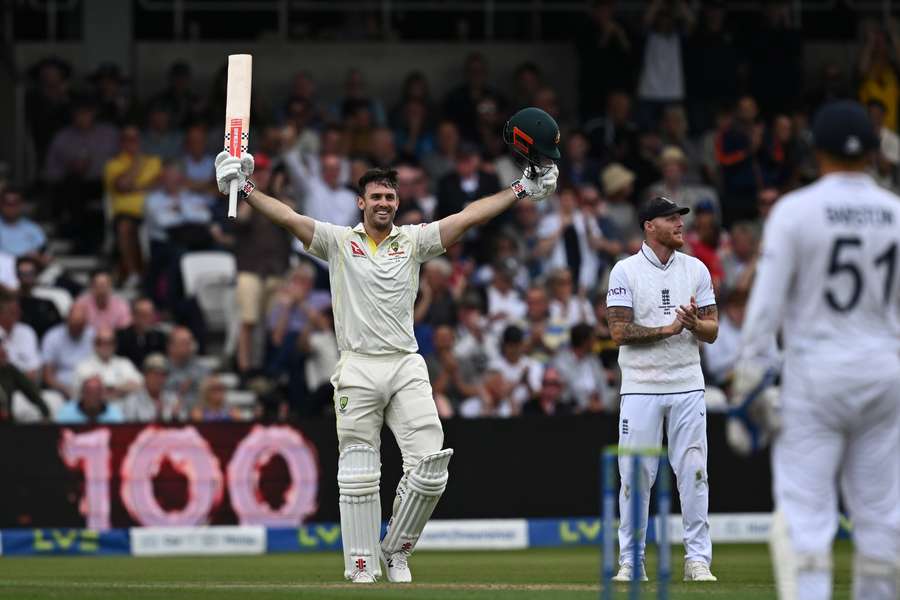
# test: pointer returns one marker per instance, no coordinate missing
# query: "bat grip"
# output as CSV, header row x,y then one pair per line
x,y
232,199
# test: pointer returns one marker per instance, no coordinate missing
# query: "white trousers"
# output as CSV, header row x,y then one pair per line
x,y
394,390
641,426
843,432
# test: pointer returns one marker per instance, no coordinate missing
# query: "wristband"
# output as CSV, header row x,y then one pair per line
x,y
245,190
519,189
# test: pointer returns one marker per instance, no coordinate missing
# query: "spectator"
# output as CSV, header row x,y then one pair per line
x,y
495,400
737,153
451,388
322,196
152,403
413,133
103,307
263,253
20,236
662,72
114,104
41,314
767,198
415,89
644,162
613,137
199,170
293,307
74,171
383,150
179,99
304,140
504,301
887,159
549,400
521,373
720,357
570,239
12,380
185,370
142,338
674,132
488,128
673,185
304,86
358,126
526,227
90,407
127,178
878,71
356,95
119,375
610,244
47,102
177,221
603,46
618,187
63,349
435,305
212,406
712,60
528,80
581,368
319,345
544,335
159,138
566,306
475,345
712,170
576,167
19,339
507,255
461,104
417,203
442,160
741,254
776,58
705,241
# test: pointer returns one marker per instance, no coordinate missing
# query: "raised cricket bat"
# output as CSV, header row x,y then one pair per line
x,y
237,115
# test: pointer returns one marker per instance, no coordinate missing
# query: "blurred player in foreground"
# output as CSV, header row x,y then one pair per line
x,y
827,279
660,306
380,379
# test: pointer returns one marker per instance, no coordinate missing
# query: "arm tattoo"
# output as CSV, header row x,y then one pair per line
x,y
626,332
709,313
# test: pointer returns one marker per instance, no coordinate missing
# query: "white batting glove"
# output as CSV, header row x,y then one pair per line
x,y
229,168
539,188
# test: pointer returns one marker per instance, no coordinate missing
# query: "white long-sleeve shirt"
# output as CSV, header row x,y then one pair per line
x,y
828,279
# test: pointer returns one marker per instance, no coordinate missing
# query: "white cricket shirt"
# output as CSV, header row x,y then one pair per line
x,y
828,278
654,290
373,289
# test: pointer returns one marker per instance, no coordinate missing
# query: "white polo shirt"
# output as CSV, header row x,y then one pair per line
x,y
373,288
654,290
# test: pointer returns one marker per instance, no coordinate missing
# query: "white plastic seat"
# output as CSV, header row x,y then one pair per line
x,y
60,297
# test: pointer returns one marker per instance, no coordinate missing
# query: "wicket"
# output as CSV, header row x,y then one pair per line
x,y
608,471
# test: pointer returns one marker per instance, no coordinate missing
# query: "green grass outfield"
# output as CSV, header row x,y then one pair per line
x,y
567,574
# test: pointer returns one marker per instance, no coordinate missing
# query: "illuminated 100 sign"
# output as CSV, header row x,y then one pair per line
x,y
190,454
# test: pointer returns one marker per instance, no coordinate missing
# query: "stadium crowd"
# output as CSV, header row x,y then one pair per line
x,y
511,320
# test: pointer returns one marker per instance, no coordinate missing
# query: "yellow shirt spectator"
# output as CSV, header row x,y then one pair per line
x,y
881,84
130,202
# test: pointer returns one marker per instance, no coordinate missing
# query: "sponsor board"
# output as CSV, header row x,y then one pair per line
x,y
475,534
37,542
206,541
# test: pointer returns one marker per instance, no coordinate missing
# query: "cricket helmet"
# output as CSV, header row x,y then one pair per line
x,y
533,135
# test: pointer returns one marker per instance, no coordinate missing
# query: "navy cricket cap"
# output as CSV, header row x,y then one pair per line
x,y
843,129
660,207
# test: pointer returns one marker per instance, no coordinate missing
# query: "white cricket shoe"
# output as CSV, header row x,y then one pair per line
x,y
696,570
397,566
360,576
626,572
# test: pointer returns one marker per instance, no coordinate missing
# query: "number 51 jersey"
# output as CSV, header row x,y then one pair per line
x,y
828,277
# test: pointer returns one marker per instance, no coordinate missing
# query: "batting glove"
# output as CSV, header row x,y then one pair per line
x,y
538,188
229,168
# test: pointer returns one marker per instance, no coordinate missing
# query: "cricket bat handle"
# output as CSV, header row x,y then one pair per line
x,y
232,199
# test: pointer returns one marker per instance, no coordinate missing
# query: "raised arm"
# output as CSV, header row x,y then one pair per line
x,y
625,332
229,168
481,211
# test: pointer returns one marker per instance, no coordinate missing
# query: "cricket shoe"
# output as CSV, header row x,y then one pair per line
x,y
626,572
397,566
696,570
360,576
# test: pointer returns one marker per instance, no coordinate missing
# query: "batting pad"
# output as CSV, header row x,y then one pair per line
x,y
875,579
418,493
359,472
789,565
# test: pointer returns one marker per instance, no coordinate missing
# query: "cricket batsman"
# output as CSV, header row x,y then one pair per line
x,y
380,379
828,280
